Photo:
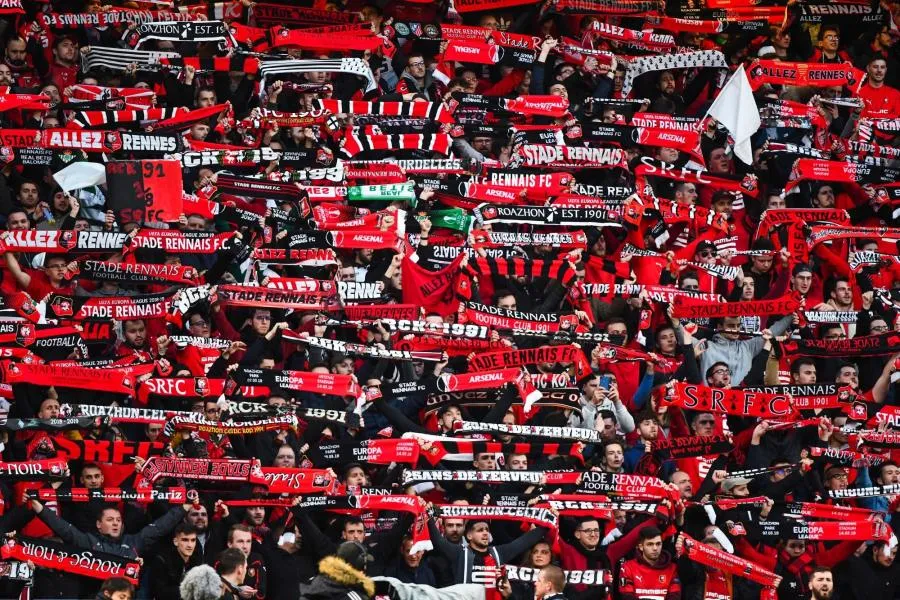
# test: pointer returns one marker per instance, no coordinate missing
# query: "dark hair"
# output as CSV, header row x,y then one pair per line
x,y
714,366
795,366
648,533
502,293
351,520
229,560
819,569
832,283
116,584
828,327
184,528
880,468
688,275
826,28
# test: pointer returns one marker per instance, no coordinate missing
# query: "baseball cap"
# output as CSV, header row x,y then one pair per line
x,y
732,482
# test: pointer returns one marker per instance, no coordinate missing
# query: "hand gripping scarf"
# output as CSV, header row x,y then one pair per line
x,y
526,478
727,401
171,495
352,66
373,452
565,399
589,436
564,216
117,308
686,307
568,157
362,350
808,396
501,318
773,218
117,381
840,171
560,270
656,168
834,512
849,458
491,380
437,448
179,242
299,381
34,470
729,563
533,356
133,97
249,295
58,424
566,240
450,330
590,578
353,144
824,530
61,557
449,346
200,424
540,517
634,487
662,62
120,59
89,141
434,111
206,469
135,273
870,345
24,102
776,72
294,481
698,445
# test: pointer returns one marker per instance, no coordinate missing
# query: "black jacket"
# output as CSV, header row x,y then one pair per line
x,y
129,545
337,580
167,569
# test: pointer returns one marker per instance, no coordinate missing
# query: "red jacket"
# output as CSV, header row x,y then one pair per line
x,y
639,579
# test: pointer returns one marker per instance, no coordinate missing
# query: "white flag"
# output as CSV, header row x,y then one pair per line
x,y
736,110
80,175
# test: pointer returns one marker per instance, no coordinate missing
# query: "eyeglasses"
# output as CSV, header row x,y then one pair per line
x,y
832,38
879,328
706,253
417,64
836,336
262,317
593,531
721,372
838,476
199,323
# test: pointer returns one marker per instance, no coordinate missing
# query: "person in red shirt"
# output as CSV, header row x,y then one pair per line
x,y
879,99
37,283
652,574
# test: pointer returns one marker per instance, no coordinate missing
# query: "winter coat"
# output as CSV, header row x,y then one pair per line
x,y
337,580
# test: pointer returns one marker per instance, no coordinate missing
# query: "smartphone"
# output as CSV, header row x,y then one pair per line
x,y
604,382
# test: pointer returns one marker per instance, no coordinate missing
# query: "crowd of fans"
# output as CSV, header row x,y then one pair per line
x,y
429,300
